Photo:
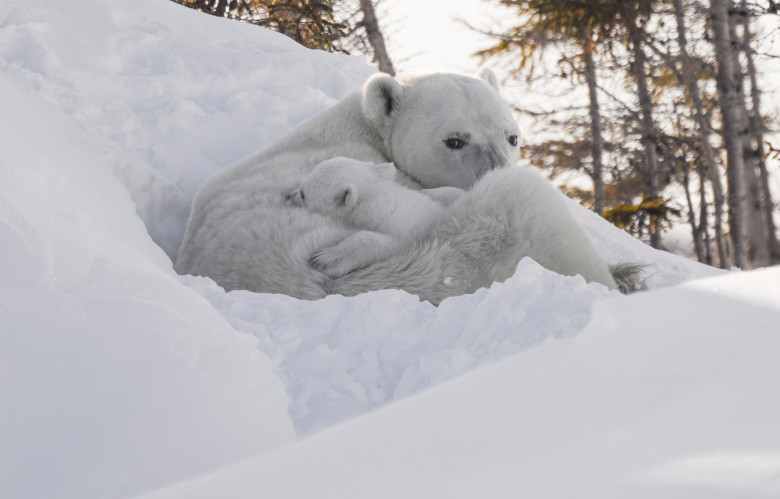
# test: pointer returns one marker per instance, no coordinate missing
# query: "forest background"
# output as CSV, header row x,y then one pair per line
x,y
660,115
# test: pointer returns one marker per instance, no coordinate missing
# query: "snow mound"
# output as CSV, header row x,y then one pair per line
x,y
179,94
115,378
640,404
340,357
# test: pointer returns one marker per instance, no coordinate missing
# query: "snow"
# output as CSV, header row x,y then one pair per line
x,y
118,377
640,404
113,378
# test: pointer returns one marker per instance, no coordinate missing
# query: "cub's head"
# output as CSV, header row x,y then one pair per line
x,y
332,187
442,129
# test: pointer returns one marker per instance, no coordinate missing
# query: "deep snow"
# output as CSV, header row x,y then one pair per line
x,y
685,406
118,377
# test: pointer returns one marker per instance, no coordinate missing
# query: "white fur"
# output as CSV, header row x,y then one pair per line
x,y
509,214
244,235
388,216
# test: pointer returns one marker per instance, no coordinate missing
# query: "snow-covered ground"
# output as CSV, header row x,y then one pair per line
x,y
118,377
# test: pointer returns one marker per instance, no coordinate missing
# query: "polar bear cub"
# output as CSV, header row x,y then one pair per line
x,y
388,216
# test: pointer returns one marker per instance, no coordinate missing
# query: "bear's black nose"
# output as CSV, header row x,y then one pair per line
x,y
494,159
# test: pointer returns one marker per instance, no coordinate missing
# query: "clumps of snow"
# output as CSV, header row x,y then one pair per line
x,y
340,357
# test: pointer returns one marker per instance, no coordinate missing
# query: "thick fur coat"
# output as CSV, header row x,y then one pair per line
x,y
439,130
510,214
388,217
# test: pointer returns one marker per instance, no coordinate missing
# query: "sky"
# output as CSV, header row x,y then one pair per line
x,y
429,35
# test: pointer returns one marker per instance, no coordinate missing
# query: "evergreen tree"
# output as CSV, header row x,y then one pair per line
x,y
632,14
685,118
588,27
574,23
332,25
309,22
685,71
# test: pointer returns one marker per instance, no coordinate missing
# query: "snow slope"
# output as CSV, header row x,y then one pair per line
x,y
112,380
118,377
679,407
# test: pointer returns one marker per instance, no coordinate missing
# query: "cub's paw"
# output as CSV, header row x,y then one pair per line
x,y
445,196
332,262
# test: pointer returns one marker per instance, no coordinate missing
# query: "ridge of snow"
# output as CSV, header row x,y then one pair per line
x,y
664,406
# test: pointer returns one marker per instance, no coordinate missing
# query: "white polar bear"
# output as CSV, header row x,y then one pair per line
x,y
389,217
509,214
439,130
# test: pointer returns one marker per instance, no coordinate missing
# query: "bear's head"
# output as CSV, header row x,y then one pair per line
x,y
442,129
332,186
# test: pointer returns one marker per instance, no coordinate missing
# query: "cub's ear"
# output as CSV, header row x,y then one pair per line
x,y
489,76
380,101
346,197
386,171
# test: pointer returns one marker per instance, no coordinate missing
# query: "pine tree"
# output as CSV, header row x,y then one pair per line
x,y
631,15
576,23
309,22
331,25
711,167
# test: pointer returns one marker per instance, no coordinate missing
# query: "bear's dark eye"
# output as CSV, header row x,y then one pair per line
x,y
454,143
512,140
303,196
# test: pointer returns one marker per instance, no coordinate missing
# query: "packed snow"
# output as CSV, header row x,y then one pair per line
x,y
118,377
670,394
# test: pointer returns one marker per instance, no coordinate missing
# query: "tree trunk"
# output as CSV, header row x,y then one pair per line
x,y
221,7
698,245
704,131
758,241
704,219
757,129
375,37
597,141
649,136
733,129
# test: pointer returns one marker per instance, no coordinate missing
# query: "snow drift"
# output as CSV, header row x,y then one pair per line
x,y
117,376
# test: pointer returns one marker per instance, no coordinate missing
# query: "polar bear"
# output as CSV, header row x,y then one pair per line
x,y
439,130
509,214
389,217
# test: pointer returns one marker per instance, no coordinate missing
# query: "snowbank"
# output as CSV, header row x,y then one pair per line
x,y
118,376
114,378
641,404
178,93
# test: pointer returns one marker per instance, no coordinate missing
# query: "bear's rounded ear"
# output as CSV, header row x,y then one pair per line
x,y
380,101
489,76
346,197
386,171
